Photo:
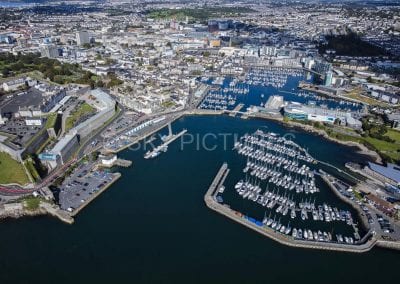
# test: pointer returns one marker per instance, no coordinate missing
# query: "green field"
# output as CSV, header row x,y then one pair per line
x,y
11,171
389,149
394,134
51,120
32,203
82,110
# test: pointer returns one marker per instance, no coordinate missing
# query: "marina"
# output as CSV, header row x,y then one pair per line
x,y
273,229
279,177
261,82
271,76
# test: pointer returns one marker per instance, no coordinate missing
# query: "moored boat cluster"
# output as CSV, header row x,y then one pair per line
x,y
279,176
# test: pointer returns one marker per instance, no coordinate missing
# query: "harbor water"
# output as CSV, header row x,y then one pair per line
x,y
152,225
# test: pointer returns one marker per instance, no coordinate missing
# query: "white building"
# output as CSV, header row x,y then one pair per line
x,y
82,37
33,122
13,85
2,119
108,160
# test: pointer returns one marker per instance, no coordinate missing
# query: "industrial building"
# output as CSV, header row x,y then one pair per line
x,y
66,146
62,151
389,174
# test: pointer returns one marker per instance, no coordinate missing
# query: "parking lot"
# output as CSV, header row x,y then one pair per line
x,y
20,99
376,221
123,140
127,120
81,185
22,132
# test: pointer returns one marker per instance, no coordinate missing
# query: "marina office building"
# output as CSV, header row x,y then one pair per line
x,y
314,113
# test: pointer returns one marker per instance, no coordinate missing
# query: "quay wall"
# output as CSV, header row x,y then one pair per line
x,y
204,112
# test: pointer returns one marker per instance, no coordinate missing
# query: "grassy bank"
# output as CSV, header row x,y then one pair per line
x,y
11,171
82,110
32,203
387,150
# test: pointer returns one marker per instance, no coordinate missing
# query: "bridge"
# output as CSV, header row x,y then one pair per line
x,y
236,110
313,71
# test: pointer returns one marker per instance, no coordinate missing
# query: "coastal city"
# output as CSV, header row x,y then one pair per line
x,y
94,94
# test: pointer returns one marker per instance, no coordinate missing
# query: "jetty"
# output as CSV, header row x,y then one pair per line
x,y
117,163
166,141
123,163
251,223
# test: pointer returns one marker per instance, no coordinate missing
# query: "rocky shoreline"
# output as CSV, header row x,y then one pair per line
x,y
362,148
19,209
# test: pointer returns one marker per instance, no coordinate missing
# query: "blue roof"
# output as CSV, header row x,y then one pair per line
x,y
392,171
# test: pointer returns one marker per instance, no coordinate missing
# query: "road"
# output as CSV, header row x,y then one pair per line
x,y
97,135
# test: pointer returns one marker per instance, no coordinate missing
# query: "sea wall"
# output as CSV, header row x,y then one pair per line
x,y
388,244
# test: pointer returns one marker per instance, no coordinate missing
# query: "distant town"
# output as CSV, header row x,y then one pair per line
x,y
82,81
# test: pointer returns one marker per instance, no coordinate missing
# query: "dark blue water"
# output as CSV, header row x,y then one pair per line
x,y
152,226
